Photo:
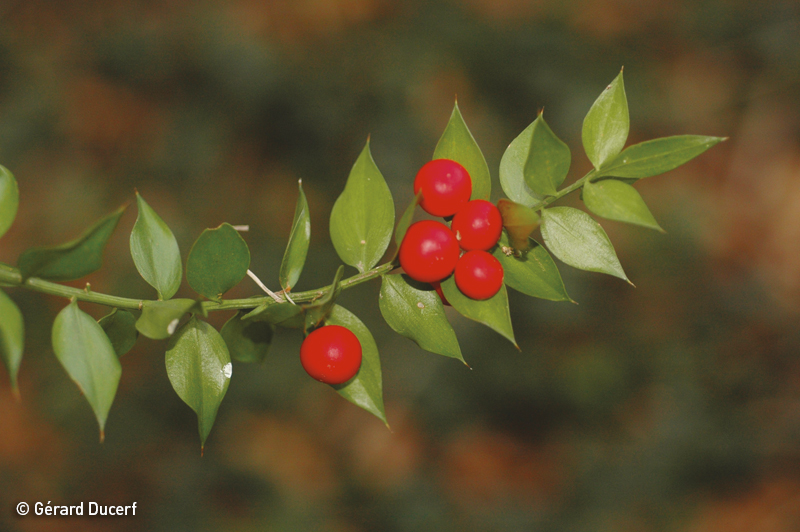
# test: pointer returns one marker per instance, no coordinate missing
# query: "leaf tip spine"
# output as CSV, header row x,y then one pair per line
x,y
15,393
102,436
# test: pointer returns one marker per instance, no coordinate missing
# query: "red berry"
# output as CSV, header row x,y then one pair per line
x,y
479,275
429,251
438,287
331,354
477,225
446,187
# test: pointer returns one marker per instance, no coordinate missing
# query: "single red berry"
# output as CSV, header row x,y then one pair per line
x,y
479,275
438,287
446,186
429,251
477,225
331,354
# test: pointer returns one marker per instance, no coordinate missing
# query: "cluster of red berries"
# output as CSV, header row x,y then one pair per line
x,y
431,251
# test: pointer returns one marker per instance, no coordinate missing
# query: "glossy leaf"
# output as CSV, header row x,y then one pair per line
x,y
657,156
419,315
155,251
9,199
519,222
548,160
362,218
120,327
405,222
512,166
285,315
159,319
533,273
366,388
12,337
575,238
492,312
199,368
217,262
458,144
247,341
74,259
294,258
86,353
316,312
605,128
618,201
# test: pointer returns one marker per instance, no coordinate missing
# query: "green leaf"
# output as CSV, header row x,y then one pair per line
x,y
366,388
419,315
618,201
247,341
294,258
73,259
217,262
533,273
405,222
9,199
89,359
605,128
575,238
512,166
548,159
492,312
12,337
316,312
362,218
199,368
155,251
519,222
159,319
120,327
657,156
458,144
287,315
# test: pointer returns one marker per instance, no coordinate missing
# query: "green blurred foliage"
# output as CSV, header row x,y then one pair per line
x,y
673,406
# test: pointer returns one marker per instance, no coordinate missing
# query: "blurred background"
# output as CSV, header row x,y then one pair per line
x,y
674,406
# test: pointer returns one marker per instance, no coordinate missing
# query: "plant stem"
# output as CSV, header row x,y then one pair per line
x,y
564,191
12,277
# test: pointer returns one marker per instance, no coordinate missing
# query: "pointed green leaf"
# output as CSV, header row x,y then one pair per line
x,y
294,258
287,315
618,201
458,144
418,314
12,337
199,368
405,222
366,388
512,166
9,199
247,341
657,156
575,238
73,259
362,218
519,222
159,319
548,160
155,251
217,262
492,312
88,357
120,327
316,312
605,128
533,273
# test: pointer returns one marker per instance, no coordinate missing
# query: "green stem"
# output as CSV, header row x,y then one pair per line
x,y
564,191
12,277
